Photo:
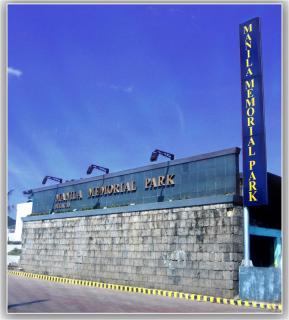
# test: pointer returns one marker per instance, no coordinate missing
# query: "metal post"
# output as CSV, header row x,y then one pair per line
x,y
246,262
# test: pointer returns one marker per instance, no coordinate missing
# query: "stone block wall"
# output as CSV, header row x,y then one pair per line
x,y
194,249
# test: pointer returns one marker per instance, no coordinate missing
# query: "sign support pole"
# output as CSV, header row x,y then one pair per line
x,y
246,262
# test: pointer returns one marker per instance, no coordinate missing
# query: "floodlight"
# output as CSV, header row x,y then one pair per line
x,y
156,153
93,166
51,178
154,156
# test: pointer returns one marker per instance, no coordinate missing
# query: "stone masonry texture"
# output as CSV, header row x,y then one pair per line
x,y
194,249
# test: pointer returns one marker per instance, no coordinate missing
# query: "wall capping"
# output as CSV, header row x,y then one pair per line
x,y
142,207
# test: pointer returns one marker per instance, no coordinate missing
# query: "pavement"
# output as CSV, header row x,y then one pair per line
x,y
27,295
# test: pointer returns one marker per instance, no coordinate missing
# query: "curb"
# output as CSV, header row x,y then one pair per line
x,y
165,293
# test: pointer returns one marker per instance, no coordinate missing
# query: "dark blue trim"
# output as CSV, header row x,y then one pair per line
x,y
235,150
141,207
265,232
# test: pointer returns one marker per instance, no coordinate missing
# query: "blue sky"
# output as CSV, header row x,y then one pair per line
x,y
107,84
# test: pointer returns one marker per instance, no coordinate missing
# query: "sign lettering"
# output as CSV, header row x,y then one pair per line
x,y
63,200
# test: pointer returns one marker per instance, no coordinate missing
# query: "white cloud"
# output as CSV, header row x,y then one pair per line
x,y
127,89
180,117
14,72
114,87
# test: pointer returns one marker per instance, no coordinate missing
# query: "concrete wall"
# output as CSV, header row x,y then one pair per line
x,y
261,284
194,249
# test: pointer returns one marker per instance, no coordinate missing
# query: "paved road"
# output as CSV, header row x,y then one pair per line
x,y
40,296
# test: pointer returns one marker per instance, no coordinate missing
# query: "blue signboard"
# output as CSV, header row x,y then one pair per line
x,y
207,175
253,128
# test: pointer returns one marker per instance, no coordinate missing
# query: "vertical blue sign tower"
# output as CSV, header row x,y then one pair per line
x,y
253,128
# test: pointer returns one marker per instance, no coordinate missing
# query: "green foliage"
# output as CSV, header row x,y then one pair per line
x,y
15,252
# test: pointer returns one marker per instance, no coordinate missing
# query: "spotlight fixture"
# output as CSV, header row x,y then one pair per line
x,y
27,192
158,152
51,178
93,166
